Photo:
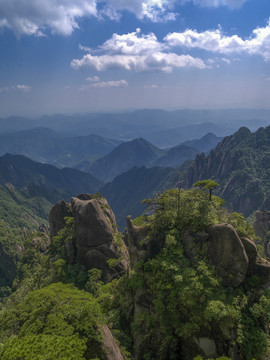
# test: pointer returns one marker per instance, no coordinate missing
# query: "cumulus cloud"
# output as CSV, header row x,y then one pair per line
x,y
93,79
155,10
232,4
215,41
137,52
153,62
105,84
33,17
133,43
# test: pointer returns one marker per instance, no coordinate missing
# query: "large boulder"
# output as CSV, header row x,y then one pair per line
x,y
57,217
227,253
252,252
97,242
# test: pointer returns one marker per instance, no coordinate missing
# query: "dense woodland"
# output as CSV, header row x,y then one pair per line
x,y
54,309
160,292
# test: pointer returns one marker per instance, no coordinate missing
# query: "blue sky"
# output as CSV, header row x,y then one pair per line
x,y
67,56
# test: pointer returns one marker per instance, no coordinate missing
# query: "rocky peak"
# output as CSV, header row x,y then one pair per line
x,y
97,240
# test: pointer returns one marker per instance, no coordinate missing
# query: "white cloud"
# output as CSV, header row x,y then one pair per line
x,y
153,62
137,52
105,84
227,61
133,43
215,41
93,79
232,4
84,48
155,10
33,17
19,88
23,88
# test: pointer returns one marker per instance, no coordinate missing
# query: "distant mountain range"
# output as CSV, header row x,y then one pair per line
x,y
140,152
135,169
162,128
48,146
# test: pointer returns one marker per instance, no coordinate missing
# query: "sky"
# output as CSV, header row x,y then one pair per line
x,y
77,56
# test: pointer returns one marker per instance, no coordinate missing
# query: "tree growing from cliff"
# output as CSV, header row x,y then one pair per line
x,y
207,185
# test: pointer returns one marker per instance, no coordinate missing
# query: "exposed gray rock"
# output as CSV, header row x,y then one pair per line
x,y
92,226
96,239
141,247
227,253
57,217
251,250
262,270
262,223
208,346
110,347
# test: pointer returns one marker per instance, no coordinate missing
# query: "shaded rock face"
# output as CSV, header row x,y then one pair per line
x,y
224,250
262,270
92,227
57,217
251,250
110,347
140,246
227,253
262,223
262,227
97,240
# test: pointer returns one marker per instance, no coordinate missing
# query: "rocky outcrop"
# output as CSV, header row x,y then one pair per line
x,y
97,242
262,270
57,217
251,250
141,247
227,253
262,227
109,346
262,223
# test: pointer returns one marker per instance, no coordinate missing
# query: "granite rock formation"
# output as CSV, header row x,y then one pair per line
x,y
97,242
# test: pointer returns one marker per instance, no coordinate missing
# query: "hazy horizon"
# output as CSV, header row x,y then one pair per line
x,y
109,56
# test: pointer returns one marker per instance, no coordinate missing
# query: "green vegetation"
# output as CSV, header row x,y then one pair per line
x,y
55,322
207,185
183,302
158,310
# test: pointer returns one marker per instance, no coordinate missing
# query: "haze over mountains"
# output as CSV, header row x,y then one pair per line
x,y
126,172
162,128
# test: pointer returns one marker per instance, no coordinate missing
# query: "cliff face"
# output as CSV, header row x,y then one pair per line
x,y
97,241
239,163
